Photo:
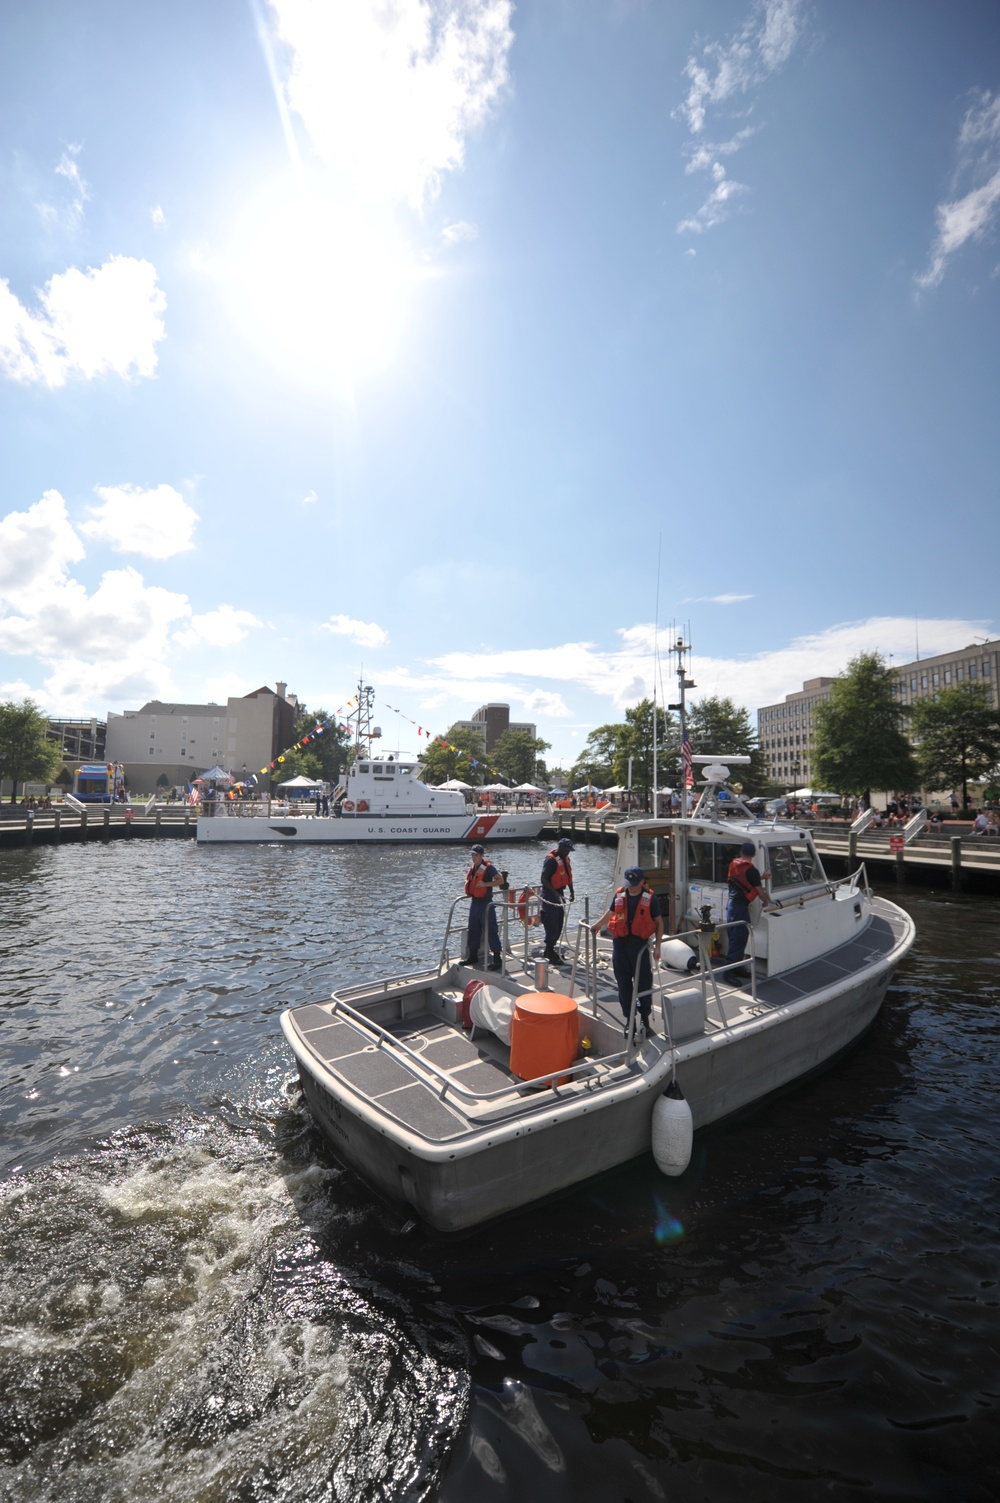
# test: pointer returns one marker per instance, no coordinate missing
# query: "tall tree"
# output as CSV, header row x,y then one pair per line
x,y
596,762
609,749
958,736
459,754
25,753
720,726
516,754
324,756
860,742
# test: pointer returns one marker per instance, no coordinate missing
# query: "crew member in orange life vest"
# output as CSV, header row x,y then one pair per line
x,y
557,878
633,919
480,880
745,884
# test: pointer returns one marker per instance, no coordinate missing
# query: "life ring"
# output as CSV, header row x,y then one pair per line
x,y
526,915
348,806
362,806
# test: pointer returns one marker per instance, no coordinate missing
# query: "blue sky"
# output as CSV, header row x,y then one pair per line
x,y
408,336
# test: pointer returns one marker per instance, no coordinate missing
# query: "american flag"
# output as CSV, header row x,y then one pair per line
x,y
686,759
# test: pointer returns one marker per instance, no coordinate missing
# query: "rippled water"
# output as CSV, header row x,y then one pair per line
x,y
198,1303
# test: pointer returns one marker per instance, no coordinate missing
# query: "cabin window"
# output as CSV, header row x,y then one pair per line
x,y
363,767
708,860
701,861
651,852
793,865
376,767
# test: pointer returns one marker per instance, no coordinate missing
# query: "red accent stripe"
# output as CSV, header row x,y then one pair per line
x,y
480,828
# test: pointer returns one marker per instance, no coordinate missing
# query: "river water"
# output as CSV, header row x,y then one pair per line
x,y
198,1303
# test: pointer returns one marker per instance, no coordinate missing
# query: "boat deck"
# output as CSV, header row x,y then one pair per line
x,y
442,1083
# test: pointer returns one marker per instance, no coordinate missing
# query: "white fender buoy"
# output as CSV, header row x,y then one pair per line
x,y
678,956
673,1131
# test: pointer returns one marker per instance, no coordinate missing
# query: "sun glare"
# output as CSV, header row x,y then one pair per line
x,y
320,285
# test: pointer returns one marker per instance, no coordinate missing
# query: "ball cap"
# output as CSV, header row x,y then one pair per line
x,y
747,848
634,874
564,845
479,850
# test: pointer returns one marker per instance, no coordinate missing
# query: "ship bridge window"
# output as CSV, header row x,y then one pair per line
x,y
654,858
363,767
794,865
376,767
708,860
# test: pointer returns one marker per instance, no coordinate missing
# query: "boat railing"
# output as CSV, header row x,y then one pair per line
x,y
598,1070
521,905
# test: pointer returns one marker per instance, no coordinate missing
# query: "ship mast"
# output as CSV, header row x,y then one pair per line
x,y
364,732
681,650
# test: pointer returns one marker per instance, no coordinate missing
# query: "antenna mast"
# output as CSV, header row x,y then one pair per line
x,y
364,731
682,651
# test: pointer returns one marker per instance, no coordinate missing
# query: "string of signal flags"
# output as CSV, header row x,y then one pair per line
x,y
335,723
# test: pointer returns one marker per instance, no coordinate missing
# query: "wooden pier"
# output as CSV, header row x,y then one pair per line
x,y
98,822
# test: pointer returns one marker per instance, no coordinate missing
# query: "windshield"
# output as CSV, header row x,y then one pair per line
x,y
794,865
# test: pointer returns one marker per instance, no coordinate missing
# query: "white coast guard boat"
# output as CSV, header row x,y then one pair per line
x,y
381,800
434,1116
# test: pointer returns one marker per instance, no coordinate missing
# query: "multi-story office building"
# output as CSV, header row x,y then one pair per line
x,y
185,740
785,732
492,721
977,664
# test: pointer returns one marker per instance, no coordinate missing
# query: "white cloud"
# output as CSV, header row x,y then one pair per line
x,y
389,92
625,674
364,633
157,523
761,46
724,72
967,219
311,499
69,215
542,702
158,217
36,548
971,215
223,627
716,207
99,648
103,320
723,599
453,234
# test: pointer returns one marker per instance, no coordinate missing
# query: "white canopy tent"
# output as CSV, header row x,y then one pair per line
x,y
527,788
303,782
456,785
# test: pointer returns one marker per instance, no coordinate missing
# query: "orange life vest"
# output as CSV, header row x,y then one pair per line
x,y
737,875
643,925
563,874
475,884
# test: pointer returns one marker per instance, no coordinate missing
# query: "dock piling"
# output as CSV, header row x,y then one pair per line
x,y
956,863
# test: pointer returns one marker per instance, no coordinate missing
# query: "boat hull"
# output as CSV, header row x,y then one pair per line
x,y
466,1182
399,829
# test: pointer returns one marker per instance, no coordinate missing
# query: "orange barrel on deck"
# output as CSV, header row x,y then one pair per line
x,y
543,1034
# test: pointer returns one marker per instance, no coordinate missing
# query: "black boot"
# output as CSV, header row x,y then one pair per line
x,y
496,964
